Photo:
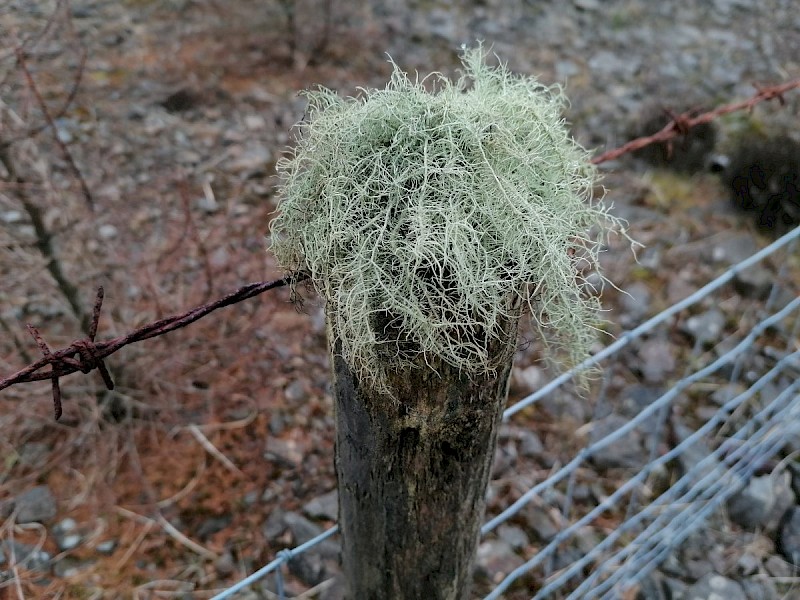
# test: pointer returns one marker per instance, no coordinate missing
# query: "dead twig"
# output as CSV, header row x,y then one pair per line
x,y
176,535
681,124
213,450
87,195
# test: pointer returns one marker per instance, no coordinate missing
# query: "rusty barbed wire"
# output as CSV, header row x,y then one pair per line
x,y
86,354
682,123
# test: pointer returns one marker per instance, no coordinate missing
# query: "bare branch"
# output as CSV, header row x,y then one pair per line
x,y
87,195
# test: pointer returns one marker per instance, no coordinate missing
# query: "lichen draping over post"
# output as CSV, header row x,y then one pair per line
x,y
432,213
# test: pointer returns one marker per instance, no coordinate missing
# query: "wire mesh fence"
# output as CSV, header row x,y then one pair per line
x,y
717,449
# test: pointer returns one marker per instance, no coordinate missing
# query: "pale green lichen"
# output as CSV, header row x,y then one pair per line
x,y
431,214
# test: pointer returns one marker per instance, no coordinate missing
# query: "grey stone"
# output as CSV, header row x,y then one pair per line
x,y
225,565
208,204
777,566
748,564
70,566
287,452
635,398
212,525
566,69
66,535
252,158
657,360
336,591
586,540
303,530
505,459
761,589
539,523
82,12
68,541
691,458
705,327
513,535
565,406
789,540
587,5
296,391
530,446
63,132
107,231
675,588
672,566
275,525
754,282
496,558
715,587
726,393
309,567
442,23
36,505
323,507
106,547
762,503
695,568
10,217
66,525
605,62
626,452
530,378
636,300
734,249
277,423
34,453
652,587
25,555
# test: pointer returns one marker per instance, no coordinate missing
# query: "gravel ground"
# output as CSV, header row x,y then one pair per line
x,y
183,110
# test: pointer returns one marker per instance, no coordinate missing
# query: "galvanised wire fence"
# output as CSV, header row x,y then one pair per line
x,y
724,450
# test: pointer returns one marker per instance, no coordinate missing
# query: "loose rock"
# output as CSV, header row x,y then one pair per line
x,y
323,507
496,559
716,587
762,503
705,327
754,282
789,540
36,505
627,452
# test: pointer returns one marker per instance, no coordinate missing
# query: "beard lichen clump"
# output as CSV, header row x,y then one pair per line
x,y
430,215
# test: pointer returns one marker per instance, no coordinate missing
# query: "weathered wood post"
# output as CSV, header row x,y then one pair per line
x,y
430,216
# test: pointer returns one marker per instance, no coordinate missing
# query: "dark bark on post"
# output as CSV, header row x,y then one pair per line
x,y
412,476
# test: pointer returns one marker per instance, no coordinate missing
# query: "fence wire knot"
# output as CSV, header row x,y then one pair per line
x,y
85,350
90,360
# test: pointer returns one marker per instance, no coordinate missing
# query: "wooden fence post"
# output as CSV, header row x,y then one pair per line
x,y
431,216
